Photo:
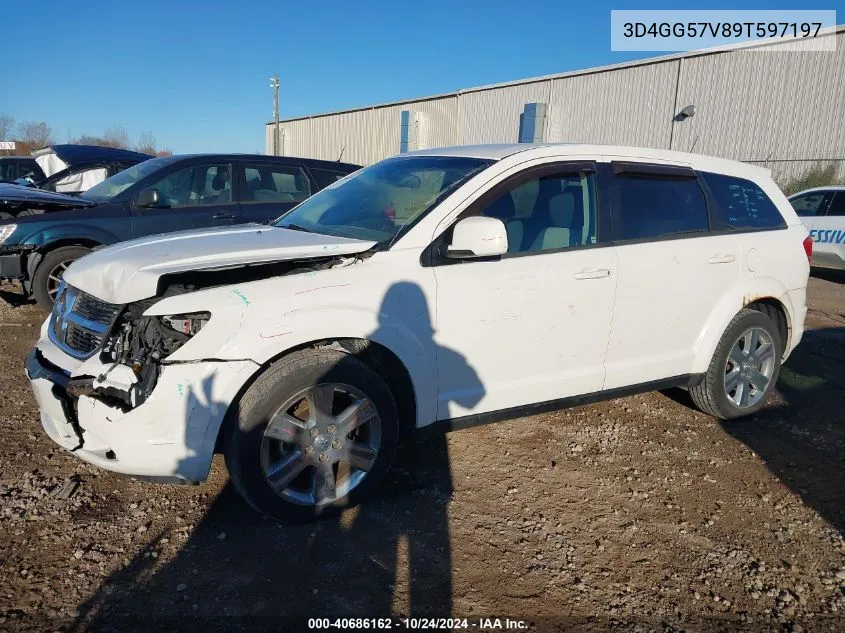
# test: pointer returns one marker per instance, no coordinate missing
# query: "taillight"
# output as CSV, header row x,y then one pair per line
x,y
808,248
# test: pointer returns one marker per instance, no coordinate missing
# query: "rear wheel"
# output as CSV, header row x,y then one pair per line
x,y
48,275
744,368
313,435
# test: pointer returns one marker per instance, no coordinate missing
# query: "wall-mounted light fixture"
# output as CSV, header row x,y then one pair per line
x,y
686,113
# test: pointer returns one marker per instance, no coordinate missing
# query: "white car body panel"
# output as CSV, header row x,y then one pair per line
x,y
827,231
475,337
129,271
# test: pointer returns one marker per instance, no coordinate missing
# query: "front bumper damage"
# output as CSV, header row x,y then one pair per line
x,y
170,437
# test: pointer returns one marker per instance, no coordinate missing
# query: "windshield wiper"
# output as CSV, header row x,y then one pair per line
x,y
295,227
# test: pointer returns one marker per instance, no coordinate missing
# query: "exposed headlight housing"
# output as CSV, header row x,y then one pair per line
x,y
188,324
6,231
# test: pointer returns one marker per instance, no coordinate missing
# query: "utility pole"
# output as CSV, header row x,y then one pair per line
x,y
274,84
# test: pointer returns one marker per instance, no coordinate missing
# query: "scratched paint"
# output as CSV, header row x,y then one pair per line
x,y
241,296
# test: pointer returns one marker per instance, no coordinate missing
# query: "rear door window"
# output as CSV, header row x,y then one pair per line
x,y
837,205
275,183
651,206
741,204
811,204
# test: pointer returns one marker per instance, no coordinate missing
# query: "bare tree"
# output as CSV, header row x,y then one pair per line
x,y
147,144
7,124
116,136
36,134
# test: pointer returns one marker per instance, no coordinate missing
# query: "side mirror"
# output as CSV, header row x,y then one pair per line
x,y
478,236
147,198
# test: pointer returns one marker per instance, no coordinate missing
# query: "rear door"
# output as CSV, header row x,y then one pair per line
x,y
812,207
269,189
829,234
199,195
672,271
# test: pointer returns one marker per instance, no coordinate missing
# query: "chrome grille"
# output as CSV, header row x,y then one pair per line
x,y
90,307
79,322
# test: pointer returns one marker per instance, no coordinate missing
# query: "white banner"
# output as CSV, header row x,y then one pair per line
x,y
7,145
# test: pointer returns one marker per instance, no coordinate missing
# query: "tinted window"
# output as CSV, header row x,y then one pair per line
x,y
8,171
837,205
811,204
275,183
741,204
203,185
649,207
548,213
325,177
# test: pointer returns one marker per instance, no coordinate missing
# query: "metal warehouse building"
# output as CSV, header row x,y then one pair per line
x,y
769,106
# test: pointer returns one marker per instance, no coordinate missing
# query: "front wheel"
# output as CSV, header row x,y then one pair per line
x,y
313,435
744,368
48,275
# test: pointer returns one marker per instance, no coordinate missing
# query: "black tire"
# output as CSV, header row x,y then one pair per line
x,y
245,425
709,394
41,280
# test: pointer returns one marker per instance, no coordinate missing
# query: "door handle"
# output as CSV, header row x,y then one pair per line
x,y
721,259
592,273
223,215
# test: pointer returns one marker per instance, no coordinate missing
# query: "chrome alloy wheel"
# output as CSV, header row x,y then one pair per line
x,y
54,279
320,444
750,367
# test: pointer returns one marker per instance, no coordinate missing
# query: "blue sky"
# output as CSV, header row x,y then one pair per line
x,y
195,74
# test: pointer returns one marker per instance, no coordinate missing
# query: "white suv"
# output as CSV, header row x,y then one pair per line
x,y
454,285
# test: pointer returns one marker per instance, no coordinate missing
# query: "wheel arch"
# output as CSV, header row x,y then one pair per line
x,y
35,257
375,355
766,295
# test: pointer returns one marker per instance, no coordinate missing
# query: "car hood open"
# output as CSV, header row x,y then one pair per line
x,y
55,158
130,271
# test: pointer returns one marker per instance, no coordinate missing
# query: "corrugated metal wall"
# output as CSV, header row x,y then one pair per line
x,y
780,109
759,105
630,106
492,116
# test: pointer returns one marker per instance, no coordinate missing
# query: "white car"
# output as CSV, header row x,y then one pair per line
x,y
456,285
823,211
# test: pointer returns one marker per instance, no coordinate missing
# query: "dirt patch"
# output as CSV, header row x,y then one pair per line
x,y
635,514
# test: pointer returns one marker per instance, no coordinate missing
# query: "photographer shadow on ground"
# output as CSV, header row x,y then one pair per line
x,y
391,555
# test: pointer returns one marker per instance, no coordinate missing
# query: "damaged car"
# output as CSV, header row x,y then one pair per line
x,y
454,286
159,195
72,169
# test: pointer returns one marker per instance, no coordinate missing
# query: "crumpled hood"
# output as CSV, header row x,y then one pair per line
x,y
129,271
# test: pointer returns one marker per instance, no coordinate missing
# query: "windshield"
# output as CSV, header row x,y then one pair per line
x,y
120,182
379,202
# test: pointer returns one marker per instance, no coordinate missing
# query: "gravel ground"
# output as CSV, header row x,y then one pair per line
x,y
637,514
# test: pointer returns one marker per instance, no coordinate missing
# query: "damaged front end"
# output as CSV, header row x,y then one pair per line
x,y
133,348
136,353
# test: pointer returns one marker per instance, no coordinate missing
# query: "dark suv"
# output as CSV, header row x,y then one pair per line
x,y
47,231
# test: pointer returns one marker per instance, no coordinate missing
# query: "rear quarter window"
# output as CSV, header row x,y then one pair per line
x,y
741,204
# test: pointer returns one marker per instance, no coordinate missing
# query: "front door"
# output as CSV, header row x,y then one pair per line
x,y
189,198
533,324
